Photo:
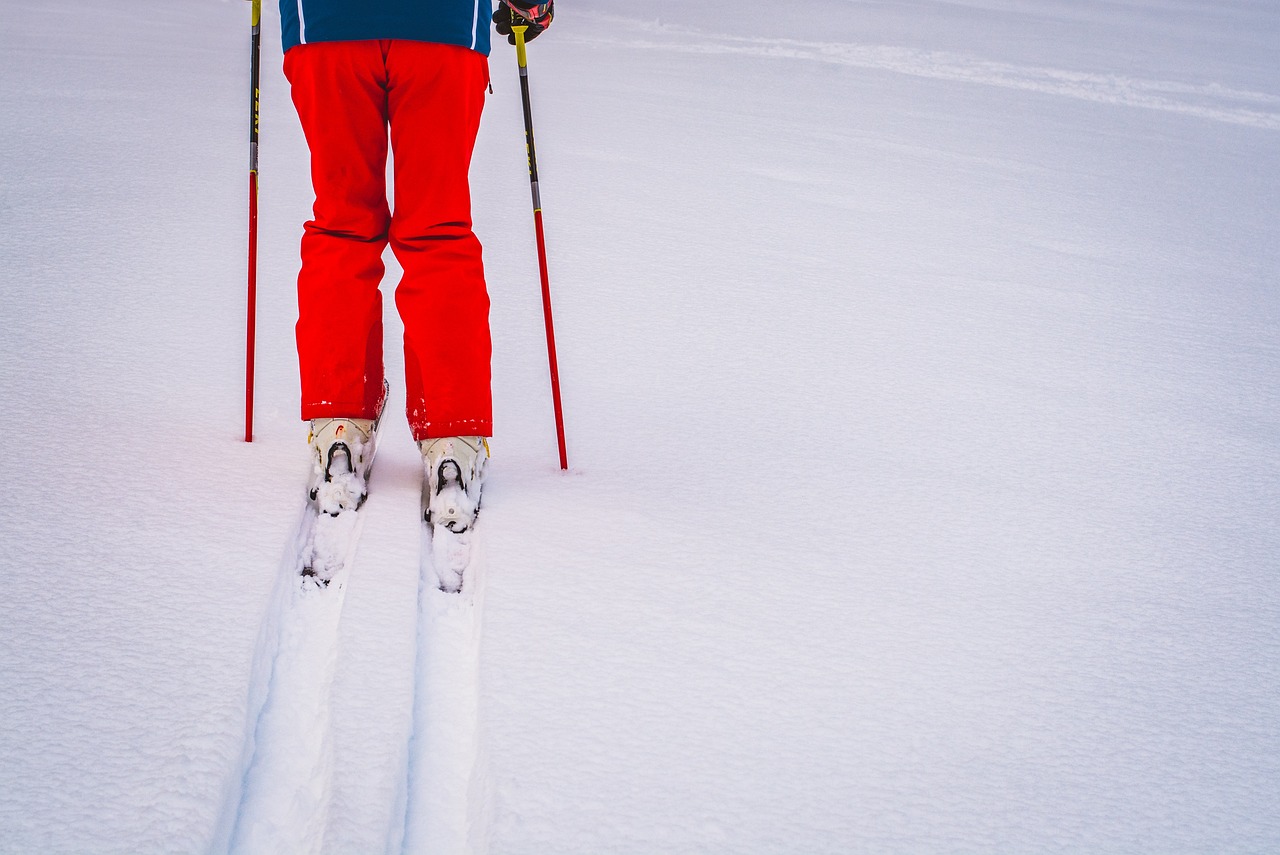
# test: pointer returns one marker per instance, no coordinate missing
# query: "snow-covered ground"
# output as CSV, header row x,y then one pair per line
x,y
921,369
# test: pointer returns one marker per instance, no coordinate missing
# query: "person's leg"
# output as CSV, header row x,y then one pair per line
x,y
339,90
435,97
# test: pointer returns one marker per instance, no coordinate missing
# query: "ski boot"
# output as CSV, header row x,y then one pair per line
x,y
342,457
454,477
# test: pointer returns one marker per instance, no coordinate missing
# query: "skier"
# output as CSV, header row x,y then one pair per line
x,y
417,69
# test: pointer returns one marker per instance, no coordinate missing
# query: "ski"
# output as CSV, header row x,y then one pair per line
x,y
449,555
326,544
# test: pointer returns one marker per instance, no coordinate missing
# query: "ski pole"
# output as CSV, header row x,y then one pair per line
x,y
255,47
518,30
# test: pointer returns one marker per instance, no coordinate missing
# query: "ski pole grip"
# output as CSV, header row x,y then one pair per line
x,y
518,31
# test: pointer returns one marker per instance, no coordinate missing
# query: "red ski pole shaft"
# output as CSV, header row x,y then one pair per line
x,y
521,57
255,45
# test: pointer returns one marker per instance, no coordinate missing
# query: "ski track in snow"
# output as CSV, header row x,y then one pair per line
x,y
282,803
448,803
1210,101
286,786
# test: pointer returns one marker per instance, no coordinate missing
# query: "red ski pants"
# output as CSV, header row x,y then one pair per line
x,y
430,96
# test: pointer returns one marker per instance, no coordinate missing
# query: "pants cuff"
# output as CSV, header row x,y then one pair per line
x,y
458,427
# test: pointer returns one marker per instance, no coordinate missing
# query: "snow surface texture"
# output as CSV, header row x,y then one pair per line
x,y
921,375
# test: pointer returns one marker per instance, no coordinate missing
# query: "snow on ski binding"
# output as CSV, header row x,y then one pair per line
x,y
341,462
455,468
452,485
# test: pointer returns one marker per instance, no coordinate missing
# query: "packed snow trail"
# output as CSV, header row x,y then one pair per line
x,y
1209,101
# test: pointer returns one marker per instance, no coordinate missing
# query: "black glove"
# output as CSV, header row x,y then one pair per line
x,y
536,16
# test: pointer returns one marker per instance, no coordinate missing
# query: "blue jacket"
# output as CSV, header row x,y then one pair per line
x,y
449,22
